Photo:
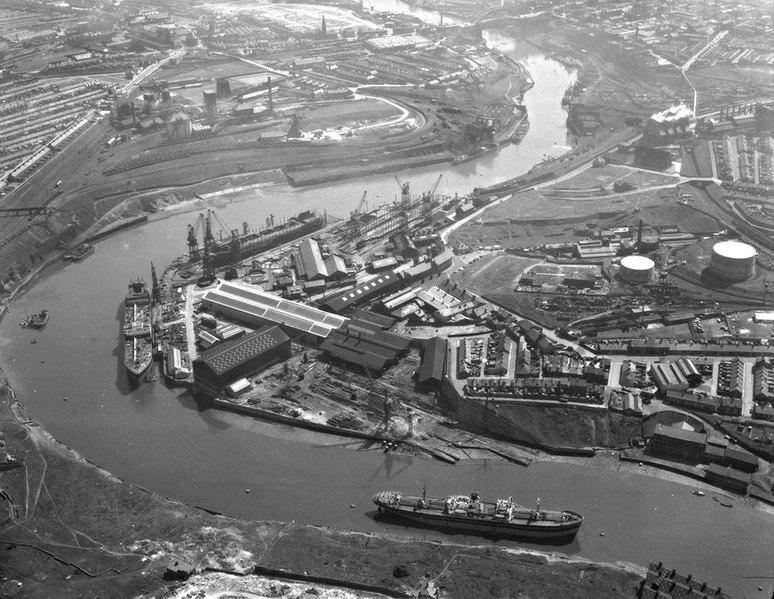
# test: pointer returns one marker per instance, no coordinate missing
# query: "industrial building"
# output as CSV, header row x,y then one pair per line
x,y
309,263
668,377
365,344
362,293
732,261
678,443
433,365
230,361
636,269
254,306
729,478
178,127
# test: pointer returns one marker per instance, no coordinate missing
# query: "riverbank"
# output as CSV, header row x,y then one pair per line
x,y
73,530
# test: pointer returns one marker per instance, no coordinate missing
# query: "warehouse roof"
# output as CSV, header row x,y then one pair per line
x,y
381,321
251,301
231,354
362,344
363,292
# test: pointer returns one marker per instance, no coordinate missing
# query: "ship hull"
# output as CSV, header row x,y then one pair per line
x,y
519,528
222,254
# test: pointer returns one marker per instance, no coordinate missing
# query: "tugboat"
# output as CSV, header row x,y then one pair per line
x,y
137,330
35,321
468,513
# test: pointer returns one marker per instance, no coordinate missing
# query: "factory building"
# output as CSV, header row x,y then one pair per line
x,y
365,344
668,377
256,307
380,284
178,127
636,269
728,478
222,365
678,443
309,263
433,365
732,261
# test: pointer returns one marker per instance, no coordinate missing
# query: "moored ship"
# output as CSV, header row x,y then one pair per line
x,y
137,329
236,246
79,253
468,513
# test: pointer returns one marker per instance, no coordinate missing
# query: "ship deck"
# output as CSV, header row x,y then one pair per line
x,y
484,510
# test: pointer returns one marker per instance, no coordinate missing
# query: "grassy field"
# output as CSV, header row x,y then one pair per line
x,y
605,176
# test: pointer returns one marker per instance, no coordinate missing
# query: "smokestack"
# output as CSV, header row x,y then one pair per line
x,y
639,234
271,100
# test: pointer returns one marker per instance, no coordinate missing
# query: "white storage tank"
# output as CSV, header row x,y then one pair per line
x,y
636,269
732,261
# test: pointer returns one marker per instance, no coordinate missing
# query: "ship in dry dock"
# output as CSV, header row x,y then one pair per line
x,y
233,245
137,329
468,513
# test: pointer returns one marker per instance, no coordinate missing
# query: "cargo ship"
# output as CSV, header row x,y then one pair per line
x,y
237,246
137,329
468,513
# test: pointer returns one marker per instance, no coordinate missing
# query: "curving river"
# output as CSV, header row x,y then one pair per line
x,y
71,381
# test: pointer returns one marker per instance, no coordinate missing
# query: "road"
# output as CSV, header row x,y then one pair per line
x,y
148,71
710,44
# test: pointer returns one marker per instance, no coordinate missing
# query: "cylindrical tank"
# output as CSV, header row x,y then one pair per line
x,y
636,269
732,261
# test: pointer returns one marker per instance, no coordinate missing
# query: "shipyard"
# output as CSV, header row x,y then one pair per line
x,y
387,298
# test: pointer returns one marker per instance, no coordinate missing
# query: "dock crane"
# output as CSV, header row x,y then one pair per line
x,y
357,214
405,193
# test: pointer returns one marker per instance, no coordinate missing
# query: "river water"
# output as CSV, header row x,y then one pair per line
x,y
72,381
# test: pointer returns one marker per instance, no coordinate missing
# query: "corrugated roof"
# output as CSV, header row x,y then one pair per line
x,y
230,354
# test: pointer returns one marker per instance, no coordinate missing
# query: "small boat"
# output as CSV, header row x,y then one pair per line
x,y
715,499
698,493
35,321
726,504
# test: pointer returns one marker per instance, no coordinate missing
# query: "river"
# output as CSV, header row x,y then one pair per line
x,y
72,381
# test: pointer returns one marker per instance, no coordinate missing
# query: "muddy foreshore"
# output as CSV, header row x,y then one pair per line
x,y
70,529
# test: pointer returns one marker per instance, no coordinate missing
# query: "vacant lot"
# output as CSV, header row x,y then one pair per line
x,y
345,114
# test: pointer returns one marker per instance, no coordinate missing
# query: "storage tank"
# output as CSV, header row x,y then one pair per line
x,y
732,261
636,269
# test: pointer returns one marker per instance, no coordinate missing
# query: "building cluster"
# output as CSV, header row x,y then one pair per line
x,y
729,466
711,33
39,118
